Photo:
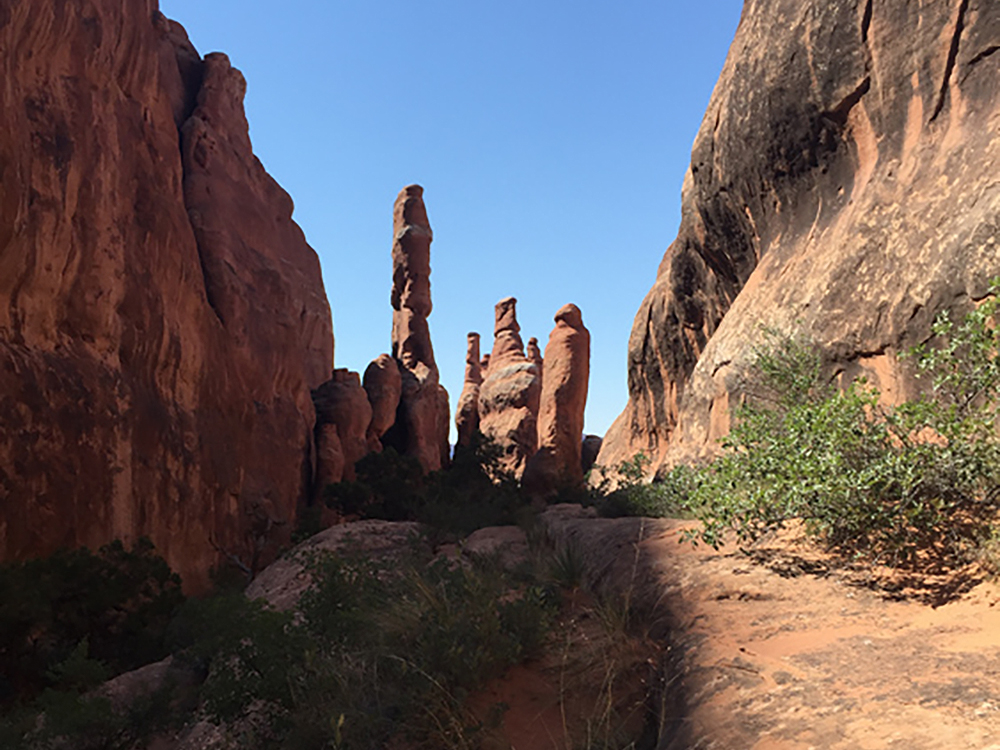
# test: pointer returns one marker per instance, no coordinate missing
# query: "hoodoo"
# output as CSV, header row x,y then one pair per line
x,y
467,411
423,418
557,463
508,397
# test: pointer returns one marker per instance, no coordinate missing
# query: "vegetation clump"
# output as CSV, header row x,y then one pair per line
x,y
891,483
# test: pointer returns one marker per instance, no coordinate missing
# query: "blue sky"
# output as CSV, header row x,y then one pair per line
x,y
551,138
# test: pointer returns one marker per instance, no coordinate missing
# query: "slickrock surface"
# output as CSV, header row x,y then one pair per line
x,y
557,463
162,319
342,402
384,386
423,419
467,410
843,183
786,651
510,393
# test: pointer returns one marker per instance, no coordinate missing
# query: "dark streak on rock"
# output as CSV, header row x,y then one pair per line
x,y
956,39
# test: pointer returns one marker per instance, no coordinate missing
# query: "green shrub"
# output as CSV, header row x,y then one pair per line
x,y
882,482
376,652
668,496
117,602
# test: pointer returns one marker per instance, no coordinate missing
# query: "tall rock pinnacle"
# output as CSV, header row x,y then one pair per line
x,y
563,400
467,410
422,421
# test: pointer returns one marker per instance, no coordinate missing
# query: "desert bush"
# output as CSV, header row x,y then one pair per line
x,y
117,602
375,653
667,496
883,482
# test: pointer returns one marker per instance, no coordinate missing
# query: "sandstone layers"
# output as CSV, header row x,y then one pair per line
x,y
162,319
843,184
557,462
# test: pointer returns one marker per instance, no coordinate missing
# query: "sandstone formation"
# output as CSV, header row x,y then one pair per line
x,y
384,386
343,403
535,355
843,185
557,463
423,418
467,410
162,319
589,450
509,395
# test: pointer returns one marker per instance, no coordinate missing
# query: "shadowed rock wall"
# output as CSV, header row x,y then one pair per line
x,y
162,318
844,184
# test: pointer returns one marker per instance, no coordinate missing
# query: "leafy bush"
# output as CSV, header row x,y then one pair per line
x,y
115,605
668,496
885,482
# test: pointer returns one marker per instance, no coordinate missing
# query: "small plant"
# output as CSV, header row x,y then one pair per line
x,y
667,496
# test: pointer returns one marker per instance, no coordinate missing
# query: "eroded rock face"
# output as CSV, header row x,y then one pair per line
x,y
162,318
557,462
843,184
509,395
467,410
384,386
342,402
423,418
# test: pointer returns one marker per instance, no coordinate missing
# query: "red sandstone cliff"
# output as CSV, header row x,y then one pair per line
x,y
843,183
162,319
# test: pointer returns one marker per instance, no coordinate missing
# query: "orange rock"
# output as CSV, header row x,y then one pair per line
x,y
467,411
842,186
384,386
508,397
563,401
162,319
341,401
423,420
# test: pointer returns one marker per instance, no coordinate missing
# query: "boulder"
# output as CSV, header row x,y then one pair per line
x,y
423,417
162,318
557,463
508,397
467,411
842,187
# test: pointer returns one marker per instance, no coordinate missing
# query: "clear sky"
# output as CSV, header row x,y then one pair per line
x,y
551,138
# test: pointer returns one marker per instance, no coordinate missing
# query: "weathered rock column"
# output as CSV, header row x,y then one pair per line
x,y
384,386
563,401
508,397
467,411
423,416
342,403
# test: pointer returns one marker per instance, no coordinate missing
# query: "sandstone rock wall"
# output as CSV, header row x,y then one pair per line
x,y
843,184
162,319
